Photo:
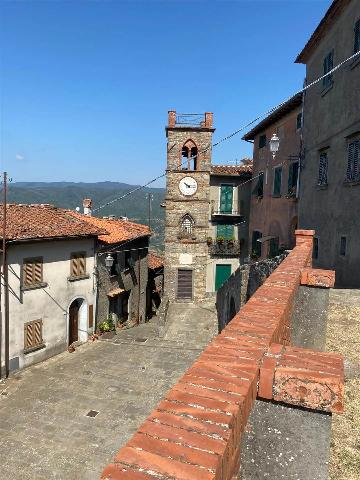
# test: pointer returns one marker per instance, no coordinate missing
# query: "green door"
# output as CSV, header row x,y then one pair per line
x,y
226,199
222,273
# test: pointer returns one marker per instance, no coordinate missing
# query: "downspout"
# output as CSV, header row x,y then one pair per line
x,y
139,292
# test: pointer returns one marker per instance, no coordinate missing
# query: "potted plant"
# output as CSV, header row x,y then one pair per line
x,y
209,241
231,242
220,240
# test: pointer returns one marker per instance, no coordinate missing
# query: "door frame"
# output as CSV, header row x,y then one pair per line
x,y
82,319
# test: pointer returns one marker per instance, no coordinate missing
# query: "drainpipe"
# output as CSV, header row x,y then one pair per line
x,y
139,292
6,278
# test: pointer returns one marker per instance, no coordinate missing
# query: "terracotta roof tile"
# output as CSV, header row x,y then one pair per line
x,y
155,261
26,222
119,230
232,169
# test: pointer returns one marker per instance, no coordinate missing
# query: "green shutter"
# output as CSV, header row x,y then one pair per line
x,y
277,181
226,199
222,273
225,231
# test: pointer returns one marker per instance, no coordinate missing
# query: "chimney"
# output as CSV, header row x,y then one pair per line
x,y
87,204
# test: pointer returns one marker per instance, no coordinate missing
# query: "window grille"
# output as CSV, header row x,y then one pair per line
x,y
323,169
353,170
187,224
78,264
33,335
32,271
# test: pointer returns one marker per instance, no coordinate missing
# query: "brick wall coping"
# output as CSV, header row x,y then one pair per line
x,y
195,431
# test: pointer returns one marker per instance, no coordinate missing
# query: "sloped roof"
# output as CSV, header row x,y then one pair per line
x,y
155,261
276,115
40,221
119,230
326,23
232,169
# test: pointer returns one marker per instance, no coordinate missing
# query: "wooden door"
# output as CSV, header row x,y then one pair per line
x,y
73,322
222,273
185,284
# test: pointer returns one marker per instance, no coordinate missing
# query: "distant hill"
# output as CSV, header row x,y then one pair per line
x,y
70,195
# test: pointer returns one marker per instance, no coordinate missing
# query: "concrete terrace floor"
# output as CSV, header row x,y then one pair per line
x,y
44,430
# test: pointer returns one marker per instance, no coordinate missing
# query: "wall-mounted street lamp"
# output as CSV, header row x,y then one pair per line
x,y
274,144
109,261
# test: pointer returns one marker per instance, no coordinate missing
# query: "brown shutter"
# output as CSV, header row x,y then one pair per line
x,y
74,267
28,274
33,334
81,265
37,271
91,316
184,286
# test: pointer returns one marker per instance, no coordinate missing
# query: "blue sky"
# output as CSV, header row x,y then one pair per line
x,y
86,85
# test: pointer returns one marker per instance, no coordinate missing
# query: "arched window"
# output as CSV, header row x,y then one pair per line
x,y
189,156
187,224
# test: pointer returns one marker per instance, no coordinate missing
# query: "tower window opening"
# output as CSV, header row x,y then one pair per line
x,y
189,156
187,223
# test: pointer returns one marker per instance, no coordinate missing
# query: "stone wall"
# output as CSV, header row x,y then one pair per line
x,y
132,280
242,284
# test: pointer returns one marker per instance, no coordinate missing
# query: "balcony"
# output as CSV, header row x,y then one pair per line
x,y
221,215
226,248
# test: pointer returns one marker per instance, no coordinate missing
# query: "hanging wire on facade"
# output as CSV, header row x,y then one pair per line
x,y
236,132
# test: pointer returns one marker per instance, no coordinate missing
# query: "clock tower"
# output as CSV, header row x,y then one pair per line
x,y
189,148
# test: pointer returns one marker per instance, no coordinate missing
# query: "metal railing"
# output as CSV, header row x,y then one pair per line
x,y
225,248
190,119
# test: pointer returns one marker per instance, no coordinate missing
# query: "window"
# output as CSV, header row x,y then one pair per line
x,y
259,187
299,121
293,178
353,170
189,156
262,141
323,169
357,37
328,65
115,270
315,253
32,272
33,336
343,246
273,247
226,198
255,245
277,181
128,260
225,231
186,225
78,265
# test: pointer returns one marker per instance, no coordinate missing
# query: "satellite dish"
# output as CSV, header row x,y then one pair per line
x,y
77,209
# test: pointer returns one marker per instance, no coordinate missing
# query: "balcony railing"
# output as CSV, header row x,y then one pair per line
x,y
226,248
190,119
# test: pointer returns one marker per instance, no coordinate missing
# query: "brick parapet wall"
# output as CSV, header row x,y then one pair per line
x,y
195,431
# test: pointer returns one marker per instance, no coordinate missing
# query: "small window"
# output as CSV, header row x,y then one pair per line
x,y
128,260
33,335
277,181
115,268
259,186
78,265
299,121
357,37
328,65
315,253
186,225
32,271
293,178
255,245
343,246
353,170
189,156
323,169
262,141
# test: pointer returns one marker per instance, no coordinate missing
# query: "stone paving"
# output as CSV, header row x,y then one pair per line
x,y
44,430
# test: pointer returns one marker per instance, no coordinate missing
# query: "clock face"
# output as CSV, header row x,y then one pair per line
x,y
188,186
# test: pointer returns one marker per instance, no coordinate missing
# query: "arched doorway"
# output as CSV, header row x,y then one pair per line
x,y
77,328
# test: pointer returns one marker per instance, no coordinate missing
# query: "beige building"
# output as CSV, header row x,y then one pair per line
x,y
204,234
52,284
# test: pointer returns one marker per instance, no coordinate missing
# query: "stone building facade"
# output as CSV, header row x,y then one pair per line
x,y
274,191
330,174
195,217
122,288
